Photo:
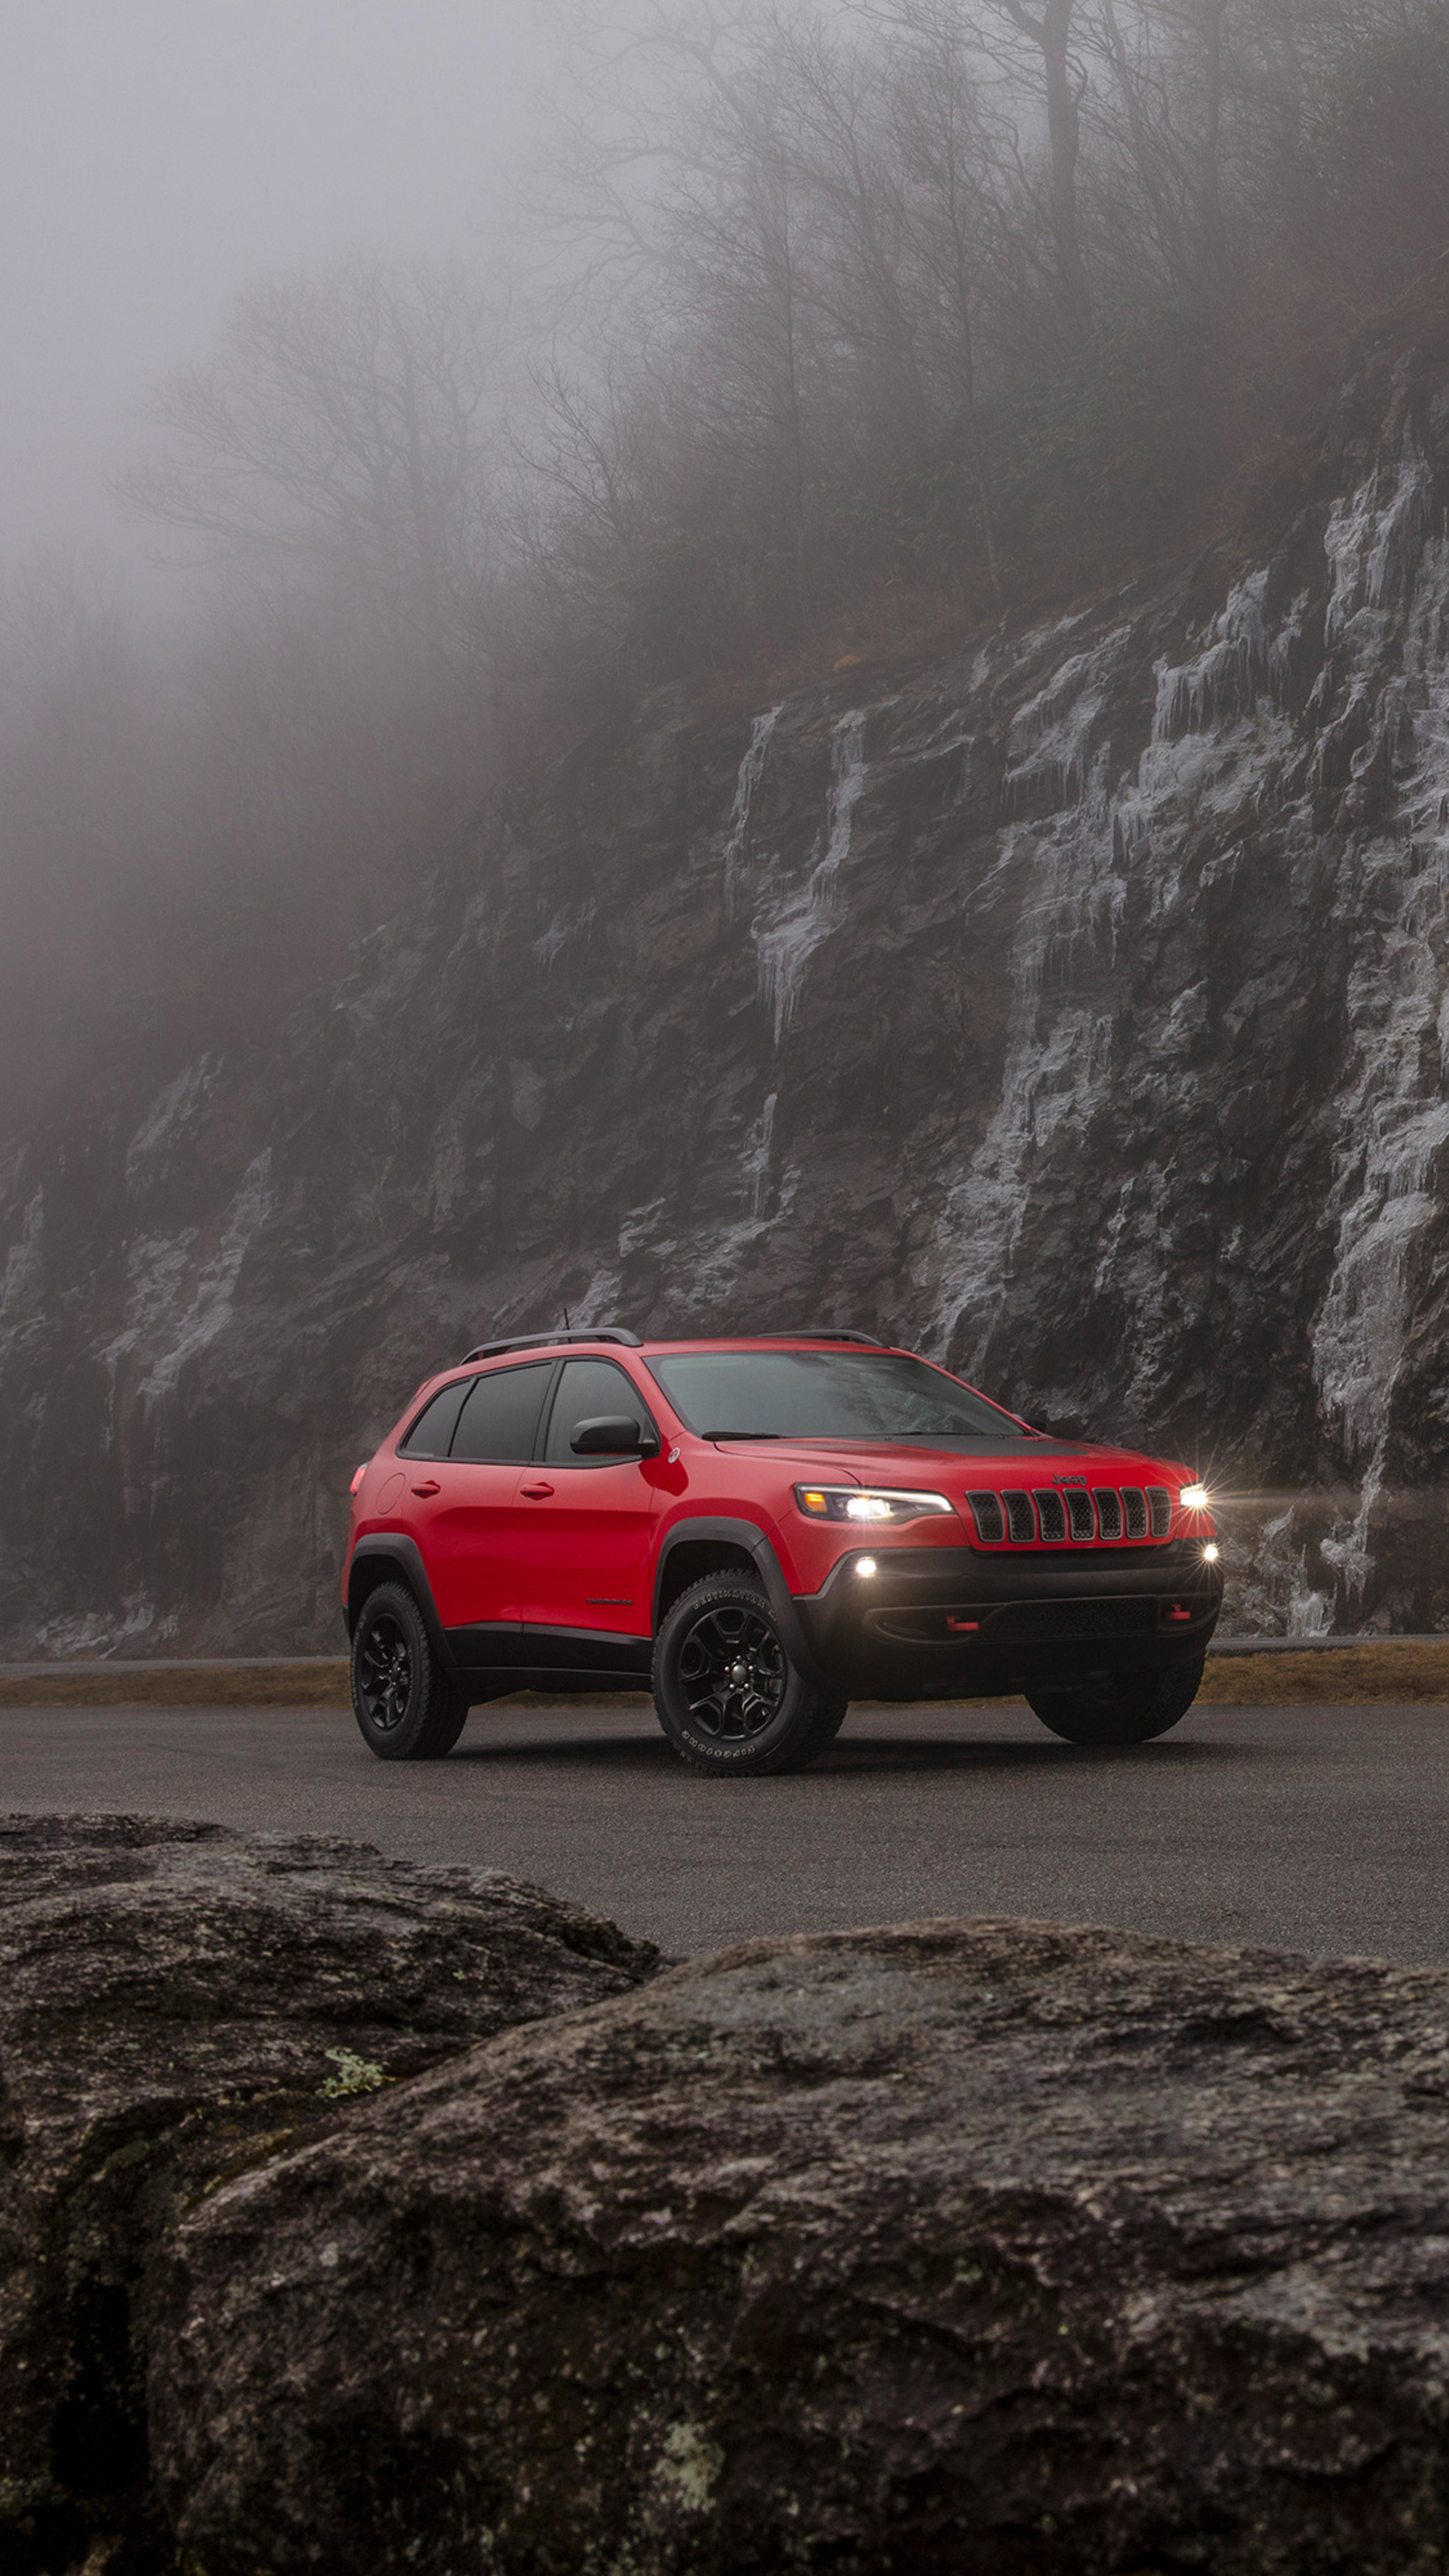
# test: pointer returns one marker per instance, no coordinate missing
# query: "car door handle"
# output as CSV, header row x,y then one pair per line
x,y
535,1493
431,1487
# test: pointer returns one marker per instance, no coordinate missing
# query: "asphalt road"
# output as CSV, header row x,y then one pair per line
x,y
1319,1829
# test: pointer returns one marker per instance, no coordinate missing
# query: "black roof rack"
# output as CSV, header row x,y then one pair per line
x,y
833,1333
535,1341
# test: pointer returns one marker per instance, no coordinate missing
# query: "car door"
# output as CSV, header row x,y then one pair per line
x,y
460,1506
583,1523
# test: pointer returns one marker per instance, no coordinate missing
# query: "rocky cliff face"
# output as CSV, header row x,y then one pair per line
x,y
1071,1009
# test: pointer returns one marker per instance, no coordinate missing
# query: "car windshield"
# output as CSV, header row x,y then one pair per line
x,y
826,1395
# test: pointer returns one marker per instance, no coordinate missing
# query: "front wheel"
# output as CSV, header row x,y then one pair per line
x,y
728,1696
406,1708
1122,1708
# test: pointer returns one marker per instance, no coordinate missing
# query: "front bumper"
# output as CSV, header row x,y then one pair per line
x,y
945,1623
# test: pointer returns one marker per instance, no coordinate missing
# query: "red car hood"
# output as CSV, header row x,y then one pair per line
x,y
954,1469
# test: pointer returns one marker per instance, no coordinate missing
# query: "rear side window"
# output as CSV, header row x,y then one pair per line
x,y
500,1418
435,1425
588,1389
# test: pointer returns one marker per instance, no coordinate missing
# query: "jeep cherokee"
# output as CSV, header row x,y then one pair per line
x,y
760,1530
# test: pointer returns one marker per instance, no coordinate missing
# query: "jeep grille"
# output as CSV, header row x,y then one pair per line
x,y
1055,1516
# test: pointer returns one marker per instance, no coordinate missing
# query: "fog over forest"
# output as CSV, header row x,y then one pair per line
x,y
700,348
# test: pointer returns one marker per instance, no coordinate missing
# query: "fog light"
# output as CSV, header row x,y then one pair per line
x,y
1209,1554
866,1565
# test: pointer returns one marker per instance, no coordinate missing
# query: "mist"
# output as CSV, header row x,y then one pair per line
x,y
395,397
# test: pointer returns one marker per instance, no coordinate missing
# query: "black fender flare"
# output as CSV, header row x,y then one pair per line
x,y
749,1536
407,1555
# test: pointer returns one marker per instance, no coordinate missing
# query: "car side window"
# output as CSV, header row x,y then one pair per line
x,y
500,1418
436,1424
588,1389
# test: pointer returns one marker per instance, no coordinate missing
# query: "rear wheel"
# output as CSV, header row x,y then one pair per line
x,y
1120,1708
728,1696
406,1707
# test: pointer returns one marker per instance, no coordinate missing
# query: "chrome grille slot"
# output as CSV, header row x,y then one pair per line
x,y
1080,1513
1020,1518
1159,1504
1134,1505
987,1514
1109,1513
1051,1513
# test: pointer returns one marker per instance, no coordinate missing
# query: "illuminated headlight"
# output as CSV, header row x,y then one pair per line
x,y
849,1503
1195,1498
1209,1554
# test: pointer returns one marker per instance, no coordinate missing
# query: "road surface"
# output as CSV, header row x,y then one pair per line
x,y
1319,1829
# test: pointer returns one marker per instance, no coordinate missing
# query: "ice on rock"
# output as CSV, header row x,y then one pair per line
x,y
169,1120
22,1286
1224,678
1393,1115
757,1156
1373,542
751,771
178,1302
1050,739
787,936
1058,1055
1214,734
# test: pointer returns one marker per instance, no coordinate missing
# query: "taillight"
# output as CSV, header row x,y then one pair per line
x,y
357,1479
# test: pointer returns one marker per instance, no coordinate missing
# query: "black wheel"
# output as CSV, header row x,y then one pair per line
x,y
405,1705
1122,1708
728,1696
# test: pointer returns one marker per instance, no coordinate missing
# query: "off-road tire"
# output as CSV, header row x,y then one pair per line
x,y
1127,1708
407,1709
728,1696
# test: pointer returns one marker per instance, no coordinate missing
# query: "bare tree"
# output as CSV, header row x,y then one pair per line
x,y
1048,30
339,438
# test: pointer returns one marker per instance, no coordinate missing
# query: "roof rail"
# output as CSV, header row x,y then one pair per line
x,y
535,1341
833,1333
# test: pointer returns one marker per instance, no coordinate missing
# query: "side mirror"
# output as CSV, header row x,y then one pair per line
x,y
613,1435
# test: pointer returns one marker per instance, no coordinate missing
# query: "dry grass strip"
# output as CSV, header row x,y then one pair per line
x,y
182,1686
1396,1672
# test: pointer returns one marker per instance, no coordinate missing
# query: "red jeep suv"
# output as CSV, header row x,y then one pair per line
x,y
761,1530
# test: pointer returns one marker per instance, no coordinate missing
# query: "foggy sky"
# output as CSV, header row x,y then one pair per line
x,y
156,155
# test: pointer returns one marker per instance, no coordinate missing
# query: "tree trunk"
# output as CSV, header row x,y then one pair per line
x,y
1064,131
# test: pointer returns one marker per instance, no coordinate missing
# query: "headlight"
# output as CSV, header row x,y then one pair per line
x,y
874,1504
1195,1498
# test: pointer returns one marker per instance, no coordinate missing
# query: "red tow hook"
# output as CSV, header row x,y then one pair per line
x,y
1178,1613
964,1627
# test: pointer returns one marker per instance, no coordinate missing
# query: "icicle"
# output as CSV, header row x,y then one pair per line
x,y
787,942
752,770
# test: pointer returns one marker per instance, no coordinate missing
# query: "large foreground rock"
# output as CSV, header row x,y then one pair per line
x,y
969,2247
175,2002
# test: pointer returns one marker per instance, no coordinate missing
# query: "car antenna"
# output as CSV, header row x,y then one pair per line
x,y
566,1319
